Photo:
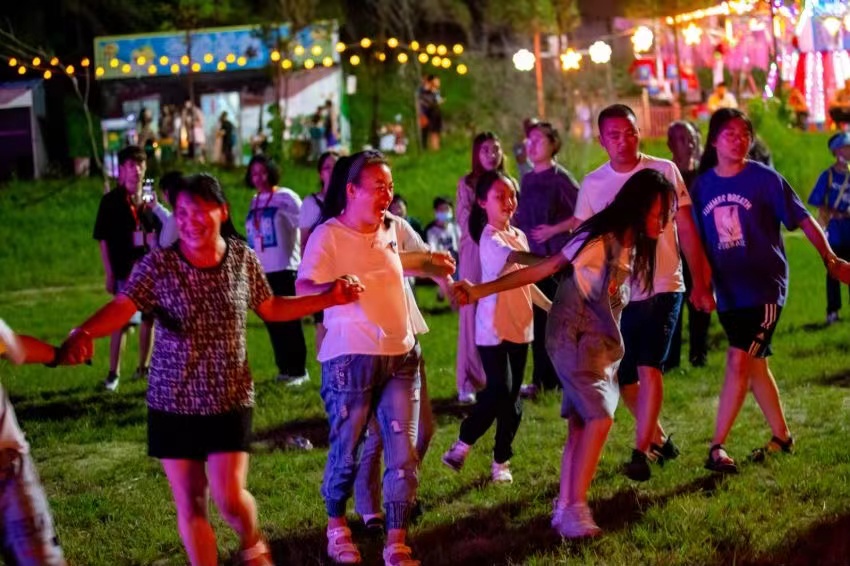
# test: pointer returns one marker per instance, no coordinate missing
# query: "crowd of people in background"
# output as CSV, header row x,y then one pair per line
x,y
591,276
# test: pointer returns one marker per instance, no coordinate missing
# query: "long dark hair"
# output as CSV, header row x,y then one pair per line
x,y
628,212
207,188
718,122
272,171
471,179
346,170
478,216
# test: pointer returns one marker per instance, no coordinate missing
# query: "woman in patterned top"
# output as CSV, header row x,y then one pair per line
x,y
200,393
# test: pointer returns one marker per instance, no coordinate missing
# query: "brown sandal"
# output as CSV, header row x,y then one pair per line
x,y
719,461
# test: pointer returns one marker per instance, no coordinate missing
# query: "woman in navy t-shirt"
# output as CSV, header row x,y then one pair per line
x,y
739,206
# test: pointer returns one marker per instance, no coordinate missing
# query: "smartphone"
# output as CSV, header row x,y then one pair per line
x,y
147,191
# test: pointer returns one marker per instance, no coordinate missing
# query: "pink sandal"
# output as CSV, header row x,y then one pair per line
x,y
257,555
403,554
342,552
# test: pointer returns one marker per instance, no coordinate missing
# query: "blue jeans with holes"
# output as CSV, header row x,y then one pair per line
x,y
354,389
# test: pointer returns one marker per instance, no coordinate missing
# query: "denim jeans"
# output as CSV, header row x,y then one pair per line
x,y
504,366
367,485
356,388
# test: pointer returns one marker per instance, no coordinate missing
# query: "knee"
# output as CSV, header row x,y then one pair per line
x,y
231,503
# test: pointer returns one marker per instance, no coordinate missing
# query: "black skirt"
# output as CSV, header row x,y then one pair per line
x,y
173,436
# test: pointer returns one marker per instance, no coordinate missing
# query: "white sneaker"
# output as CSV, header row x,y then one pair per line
x,y
466,398
528,391
293,380
574,521
111,382
456,455
501,473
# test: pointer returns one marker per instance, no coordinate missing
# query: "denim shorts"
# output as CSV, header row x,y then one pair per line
x,y
647,328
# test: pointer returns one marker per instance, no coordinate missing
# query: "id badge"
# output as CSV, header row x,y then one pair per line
x,y
138,239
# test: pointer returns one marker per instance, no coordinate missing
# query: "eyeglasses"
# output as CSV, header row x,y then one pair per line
x,y
732,135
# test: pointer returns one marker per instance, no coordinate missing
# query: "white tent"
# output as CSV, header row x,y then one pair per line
x,y
22,150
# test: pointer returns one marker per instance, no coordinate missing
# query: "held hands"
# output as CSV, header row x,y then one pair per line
x,y
463,293
346,289
439,264
838,269
77,348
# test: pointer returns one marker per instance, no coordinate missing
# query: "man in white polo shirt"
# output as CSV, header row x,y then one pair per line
x,y
650,318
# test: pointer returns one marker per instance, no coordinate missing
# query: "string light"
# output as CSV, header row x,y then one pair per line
x,y
54,61
570,60
354,60
13,62
125,68
22,70
184,60
392,43
365,43
340,47
47,74
316,50
442,50
275,56
113,63
99,72
457,49
69,69
642,39
163,60
382,57
446,63
309,64
423,58
328,61
461,69
600,52
196,67
298,50
36,61
436,61
402,58
221,66
208,57
241,61
175,68
414,45
231,58
286,64
693,34
430,49
152,69
140,60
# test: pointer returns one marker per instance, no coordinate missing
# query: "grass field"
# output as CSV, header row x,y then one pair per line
x,y
112,504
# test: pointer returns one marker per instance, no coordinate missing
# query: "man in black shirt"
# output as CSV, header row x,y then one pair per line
x,y
127,230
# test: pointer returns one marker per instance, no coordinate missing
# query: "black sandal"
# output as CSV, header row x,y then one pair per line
x,y
774,446
720,464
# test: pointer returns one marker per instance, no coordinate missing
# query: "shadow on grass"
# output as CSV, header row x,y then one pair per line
x,y
838,379
127,409
825,543
315,430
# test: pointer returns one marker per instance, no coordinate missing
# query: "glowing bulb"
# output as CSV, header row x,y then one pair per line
x,y
442,50
221,66
402,58
298,50
693,34
431,48
241,61
340,47
382,57
99,72
113,63
457,49
446,63
423,58
275,56
85,62
392,43
208,57
328,61
365,43
286,64
600,52
184,60
163,60
309,64
47,74
151,69
642,39
22,70
125,68
436,61
461,69
316,50
196,67
570,60
231,58
54,61
355,60
832,25
414,45
523,60
36,61
175,68
140,60
13,62
69,69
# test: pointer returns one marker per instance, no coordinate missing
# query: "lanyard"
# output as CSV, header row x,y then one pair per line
x,y
133,210
257,210
840,190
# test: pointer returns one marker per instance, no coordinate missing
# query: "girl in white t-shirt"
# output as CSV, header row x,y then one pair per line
x,y
504,325
370,356
582,336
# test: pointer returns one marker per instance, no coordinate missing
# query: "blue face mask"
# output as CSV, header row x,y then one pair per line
x,y
444,216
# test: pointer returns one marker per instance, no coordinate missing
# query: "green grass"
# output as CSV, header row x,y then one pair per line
x,y
112,504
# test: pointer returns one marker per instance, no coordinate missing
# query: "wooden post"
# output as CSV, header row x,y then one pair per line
x,y
538,71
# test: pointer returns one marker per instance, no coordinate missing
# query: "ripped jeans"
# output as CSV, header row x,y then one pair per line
x,y
354,389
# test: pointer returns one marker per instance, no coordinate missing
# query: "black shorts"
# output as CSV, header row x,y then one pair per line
x,y
751,329
647,327
172,436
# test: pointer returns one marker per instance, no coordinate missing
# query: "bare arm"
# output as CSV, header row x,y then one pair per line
x,y
512,280
427,264
36,351
524,258
107,267
815,234
111,317
282,309
545,232
691,246
305,234
539,299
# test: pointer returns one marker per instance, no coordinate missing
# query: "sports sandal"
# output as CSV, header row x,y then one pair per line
x,y
719,461
257,555
774,446
402,554
342,552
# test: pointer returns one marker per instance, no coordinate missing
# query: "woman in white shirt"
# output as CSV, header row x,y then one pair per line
x,y
370,356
